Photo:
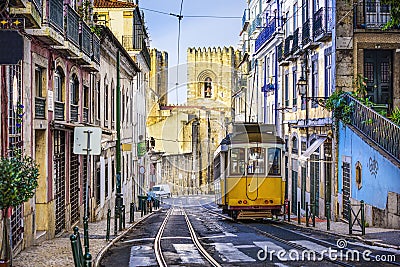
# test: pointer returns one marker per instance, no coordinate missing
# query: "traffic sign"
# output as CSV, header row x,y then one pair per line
x,y
81,140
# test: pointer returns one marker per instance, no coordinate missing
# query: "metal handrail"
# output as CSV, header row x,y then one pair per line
x,y
376,127
40,107
56,15
306,32
96,48
72,26
86,39
58,110
265,35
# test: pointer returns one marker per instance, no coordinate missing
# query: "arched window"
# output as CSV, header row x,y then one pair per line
x,y
74,88
58,85
208,87
295,145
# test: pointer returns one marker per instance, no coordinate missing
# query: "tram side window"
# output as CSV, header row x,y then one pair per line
x,y
256,160
274,161
237,161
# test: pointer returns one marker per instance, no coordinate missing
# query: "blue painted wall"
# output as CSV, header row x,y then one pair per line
x,y
379,175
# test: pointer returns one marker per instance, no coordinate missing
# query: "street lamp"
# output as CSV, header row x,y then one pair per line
x,y
302,86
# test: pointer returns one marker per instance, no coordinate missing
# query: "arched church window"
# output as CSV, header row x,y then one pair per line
x,y
207,87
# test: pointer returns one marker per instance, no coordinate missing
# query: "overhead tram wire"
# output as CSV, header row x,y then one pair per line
x,y
190,16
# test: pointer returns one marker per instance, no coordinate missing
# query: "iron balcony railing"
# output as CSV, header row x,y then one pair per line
x,y
58,110
39,5
72,26
245,18
265,35
146,53
85,39
371,15
377,128
73,113
255,24
295,42
322,21
40,107
96,48
287,51
306,33
132,42
85,115
56,15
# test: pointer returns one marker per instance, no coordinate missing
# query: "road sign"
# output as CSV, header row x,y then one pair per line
x,y
81,140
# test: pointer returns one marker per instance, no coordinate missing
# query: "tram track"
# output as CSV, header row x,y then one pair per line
x,y
289,243
158,248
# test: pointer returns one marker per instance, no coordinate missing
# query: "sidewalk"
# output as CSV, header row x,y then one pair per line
x,y
58,253
383,237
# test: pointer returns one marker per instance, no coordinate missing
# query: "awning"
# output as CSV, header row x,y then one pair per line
x,y
311,149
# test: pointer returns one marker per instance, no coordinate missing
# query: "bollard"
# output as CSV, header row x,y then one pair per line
x,y
298,212
120,216
362,217
150,206
116,220
350,220
86,234
328,216
123,216
108,225
75,252
307,210
142,210
288,211
313,217
132,213
145,206
87,260
79,244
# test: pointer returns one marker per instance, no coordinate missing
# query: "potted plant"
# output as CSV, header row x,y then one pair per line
x,y
18,181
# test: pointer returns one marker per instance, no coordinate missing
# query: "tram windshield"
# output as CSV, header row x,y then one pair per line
x,y
256,163
237,161
274,161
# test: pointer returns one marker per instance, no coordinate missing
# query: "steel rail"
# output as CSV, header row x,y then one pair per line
x,y
196,242
157,241
296,246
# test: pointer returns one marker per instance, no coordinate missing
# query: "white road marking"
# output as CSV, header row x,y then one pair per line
x,y
137,258
271,247
226,234
139,239
188,253
229,253
310,245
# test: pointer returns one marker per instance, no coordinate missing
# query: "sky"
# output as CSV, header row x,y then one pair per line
x,y
195,32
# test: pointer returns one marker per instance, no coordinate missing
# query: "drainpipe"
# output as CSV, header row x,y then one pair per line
x,y
265,87
118,198
276,91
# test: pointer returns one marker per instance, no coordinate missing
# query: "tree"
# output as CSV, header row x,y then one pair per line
x,y
18,181
394,21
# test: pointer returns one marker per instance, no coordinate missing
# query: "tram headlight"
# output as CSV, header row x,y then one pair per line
x,y
240,202
244,201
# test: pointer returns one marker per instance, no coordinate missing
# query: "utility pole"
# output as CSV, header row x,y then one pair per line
x,y
118,197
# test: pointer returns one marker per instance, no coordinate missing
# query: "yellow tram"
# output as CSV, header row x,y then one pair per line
x,y
248,172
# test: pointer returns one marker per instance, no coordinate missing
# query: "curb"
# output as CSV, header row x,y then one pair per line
x,y
366,241
117,238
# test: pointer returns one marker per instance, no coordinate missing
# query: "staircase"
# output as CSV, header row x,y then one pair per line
x,y
381,131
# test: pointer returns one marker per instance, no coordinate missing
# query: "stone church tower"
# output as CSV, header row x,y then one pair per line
x,y
211,76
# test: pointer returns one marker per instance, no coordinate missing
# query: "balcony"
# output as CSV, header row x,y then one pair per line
x,y
85,39
96,48
279,53
40,107
306,33
265,35
287,51
322,24
71,32
136,43
85,115
59,110
255,24
73,113
32,12
295,42
52,30
371,15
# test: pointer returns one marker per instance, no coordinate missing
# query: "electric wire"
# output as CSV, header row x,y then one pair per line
x,y
190,16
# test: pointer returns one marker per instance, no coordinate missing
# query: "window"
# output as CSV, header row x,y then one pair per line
x,y
294,86
98,100
295,145
328,71
274,161
39,81
358,175
106,102
106,178
237,161
208,87
113,103
294,16
256,162
74,88
314,82
112,175
303,146
58,85
286,89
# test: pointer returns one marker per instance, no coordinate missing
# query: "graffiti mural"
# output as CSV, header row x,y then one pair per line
x,y
373,166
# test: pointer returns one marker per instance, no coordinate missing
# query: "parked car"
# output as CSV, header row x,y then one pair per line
x,y
162,190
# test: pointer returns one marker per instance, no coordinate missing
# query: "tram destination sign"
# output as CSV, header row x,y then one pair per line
x,y
11,47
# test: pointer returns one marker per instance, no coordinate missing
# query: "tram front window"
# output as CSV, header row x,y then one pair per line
x,y
256,161
274,161
237,161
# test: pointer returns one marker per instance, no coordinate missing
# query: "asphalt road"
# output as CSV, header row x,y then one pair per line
x,y
255,243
